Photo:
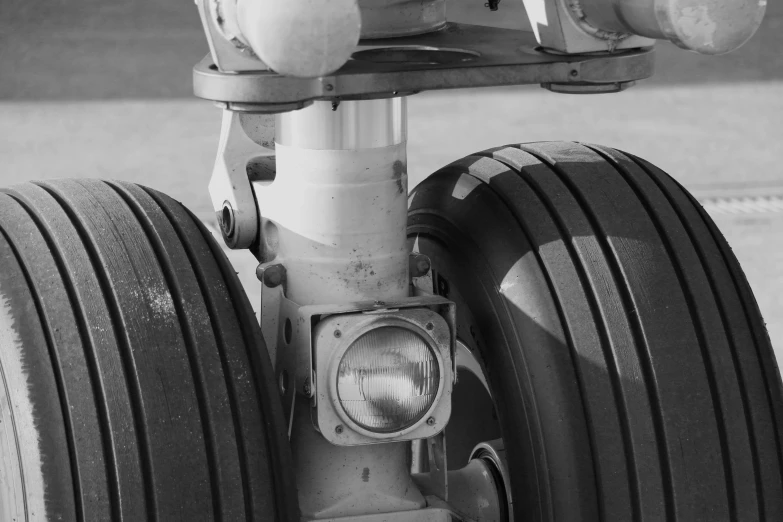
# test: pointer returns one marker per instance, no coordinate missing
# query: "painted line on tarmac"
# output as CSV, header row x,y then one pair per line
x,y
743,205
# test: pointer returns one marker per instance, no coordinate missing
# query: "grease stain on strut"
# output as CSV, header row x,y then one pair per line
x,y
366,475
399,169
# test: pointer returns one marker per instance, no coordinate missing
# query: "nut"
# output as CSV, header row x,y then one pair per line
x,y
271,275
419,265
226,219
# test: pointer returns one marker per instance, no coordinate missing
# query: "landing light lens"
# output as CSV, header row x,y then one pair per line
x,y
388,379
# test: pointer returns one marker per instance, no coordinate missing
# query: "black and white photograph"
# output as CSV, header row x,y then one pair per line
x,y
391,260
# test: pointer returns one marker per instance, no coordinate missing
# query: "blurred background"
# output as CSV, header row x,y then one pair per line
x,y
102,88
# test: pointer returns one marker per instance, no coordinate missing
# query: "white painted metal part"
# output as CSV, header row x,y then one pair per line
x,y
560,25
338,203
338,211
229,185
304,38
703,26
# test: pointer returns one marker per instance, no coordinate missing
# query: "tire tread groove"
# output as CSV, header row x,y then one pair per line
x,y
263,388
753,436
742,288
190,343
695,319
142,433
633,320
593,305
221,345
603,335
54,358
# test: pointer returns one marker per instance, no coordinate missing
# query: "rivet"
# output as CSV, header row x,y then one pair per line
x,y
338,429
431,421
338,333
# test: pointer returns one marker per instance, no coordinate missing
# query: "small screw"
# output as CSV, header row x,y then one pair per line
x,y
338,333
431,421
329,87
338,429
574,73
430,326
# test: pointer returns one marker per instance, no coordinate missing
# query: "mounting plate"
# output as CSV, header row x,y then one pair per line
x,y
457,56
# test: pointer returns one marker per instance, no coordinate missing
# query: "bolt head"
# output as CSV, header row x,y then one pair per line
x,y
431,421
272,276
423,264
419,265
338,429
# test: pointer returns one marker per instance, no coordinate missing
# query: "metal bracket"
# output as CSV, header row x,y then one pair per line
x,y
436,450
230,188
282,334
422,285
294,362
272,292
287,328
458,56
560,25
421,275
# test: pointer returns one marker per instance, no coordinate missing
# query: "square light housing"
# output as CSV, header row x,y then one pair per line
x,y
373,362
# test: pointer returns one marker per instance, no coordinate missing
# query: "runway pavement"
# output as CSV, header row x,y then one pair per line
x,y
720,140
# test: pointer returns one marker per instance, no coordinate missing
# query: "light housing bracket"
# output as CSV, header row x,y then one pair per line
x,y
306,344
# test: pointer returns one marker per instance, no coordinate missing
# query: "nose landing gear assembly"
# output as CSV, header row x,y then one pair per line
x,y
543,331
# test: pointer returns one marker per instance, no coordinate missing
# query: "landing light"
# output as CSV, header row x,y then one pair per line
x,y
382,376
388,379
